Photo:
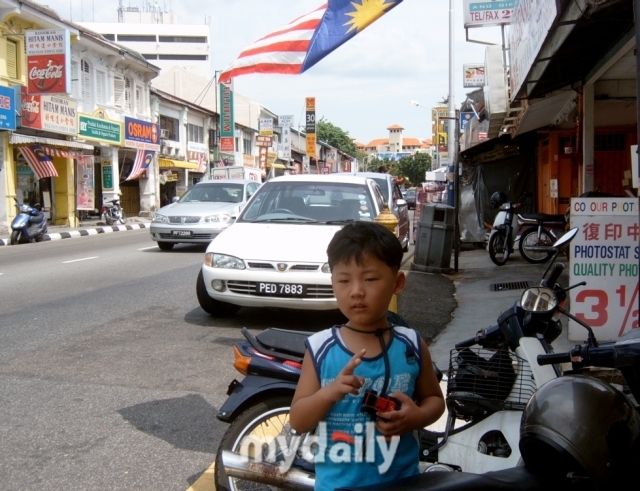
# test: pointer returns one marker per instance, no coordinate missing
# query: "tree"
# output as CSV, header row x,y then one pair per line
x,y
336,137
412,168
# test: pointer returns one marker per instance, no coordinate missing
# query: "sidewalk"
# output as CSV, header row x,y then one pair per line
x,y
92,226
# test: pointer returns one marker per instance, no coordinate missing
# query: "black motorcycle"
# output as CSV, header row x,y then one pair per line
x,y
112,212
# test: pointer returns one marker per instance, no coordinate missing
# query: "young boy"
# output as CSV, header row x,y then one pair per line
x,y
365,354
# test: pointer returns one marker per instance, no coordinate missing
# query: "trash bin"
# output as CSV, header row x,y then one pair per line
x,y
434,239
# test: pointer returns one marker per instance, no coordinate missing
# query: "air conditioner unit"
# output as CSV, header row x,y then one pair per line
x,y
164,133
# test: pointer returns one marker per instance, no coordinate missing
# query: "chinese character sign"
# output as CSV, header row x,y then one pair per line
x,y
48,61
605,254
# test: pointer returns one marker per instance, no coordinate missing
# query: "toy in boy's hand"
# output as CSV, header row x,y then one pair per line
x,y
372,403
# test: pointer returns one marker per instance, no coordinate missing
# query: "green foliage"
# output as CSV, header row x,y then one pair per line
x,y
412,169
336,137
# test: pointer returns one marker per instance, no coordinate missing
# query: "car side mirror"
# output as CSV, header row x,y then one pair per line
x,y
174,199
401,202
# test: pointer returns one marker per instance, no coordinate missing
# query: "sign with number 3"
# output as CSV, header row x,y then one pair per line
x,y
605,254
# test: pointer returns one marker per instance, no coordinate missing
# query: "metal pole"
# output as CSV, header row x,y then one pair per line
x,y
451,135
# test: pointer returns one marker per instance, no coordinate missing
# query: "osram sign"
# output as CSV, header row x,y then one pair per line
x,y
48,61
141,134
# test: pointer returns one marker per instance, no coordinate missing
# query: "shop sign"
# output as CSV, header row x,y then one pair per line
x,y
49,112
99,128
605,254
227,124
285,121
266,127
311,144
264,141
85,198
286,142
141,134
7,108
48,61
107,175
487,13
473,75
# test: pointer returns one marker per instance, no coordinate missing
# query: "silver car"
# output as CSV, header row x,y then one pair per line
x,y
396,202
202,212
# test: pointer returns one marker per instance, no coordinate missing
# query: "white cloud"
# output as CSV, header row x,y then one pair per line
x,y
363,87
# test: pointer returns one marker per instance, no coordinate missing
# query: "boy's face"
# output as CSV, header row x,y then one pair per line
x,y
363,291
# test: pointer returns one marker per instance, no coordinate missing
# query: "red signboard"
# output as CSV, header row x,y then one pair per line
x,y
227,144
46,74
31,110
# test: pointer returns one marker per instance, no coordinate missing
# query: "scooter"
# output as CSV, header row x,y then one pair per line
x,y
29,225
535,233
112,213
488,388
577,431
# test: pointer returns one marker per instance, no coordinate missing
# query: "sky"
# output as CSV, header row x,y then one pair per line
x,y
363,87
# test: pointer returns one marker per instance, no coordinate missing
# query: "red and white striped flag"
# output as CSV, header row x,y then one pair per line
x,y
299,45
143,160
39,161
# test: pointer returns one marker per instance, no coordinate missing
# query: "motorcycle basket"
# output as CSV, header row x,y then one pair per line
x,y
483,381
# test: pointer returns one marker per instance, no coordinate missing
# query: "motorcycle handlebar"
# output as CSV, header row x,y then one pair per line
x,y
553,277
553,358
466,343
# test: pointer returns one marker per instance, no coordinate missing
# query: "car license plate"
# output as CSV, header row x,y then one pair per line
x,y
281,290
182,233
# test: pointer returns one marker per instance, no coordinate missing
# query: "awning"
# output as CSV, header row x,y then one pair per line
x,y
553,109
19,139
169,163
276,165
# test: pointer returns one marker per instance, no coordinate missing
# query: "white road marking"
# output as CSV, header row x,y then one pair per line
x,y
145,248
83,259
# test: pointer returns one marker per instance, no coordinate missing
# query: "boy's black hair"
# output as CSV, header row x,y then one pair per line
x,y
359,239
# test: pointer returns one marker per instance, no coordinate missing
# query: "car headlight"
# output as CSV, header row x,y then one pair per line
x,y
158,218
214,260
216,219
326,268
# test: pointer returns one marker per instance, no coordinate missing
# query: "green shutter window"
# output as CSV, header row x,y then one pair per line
x,y
12,59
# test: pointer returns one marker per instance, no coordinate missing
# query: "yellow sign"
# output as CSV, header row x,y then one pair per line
x,y
311,145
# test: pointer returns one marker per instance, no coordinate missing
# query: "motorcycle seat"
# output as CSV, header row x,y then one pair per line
x,y
542,217
284,340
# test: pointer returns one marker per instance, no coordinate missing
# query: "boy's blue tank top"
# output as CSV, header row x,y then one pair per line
x,y
349,454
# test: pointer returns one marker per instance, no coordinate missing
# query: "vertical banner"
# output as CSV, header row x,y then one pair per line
x,y
85,195
286,122
48,61
605,254
310,126
227,124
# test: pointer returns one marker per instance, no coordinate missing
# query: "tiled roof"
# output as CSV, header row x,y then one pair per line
x,y
377,142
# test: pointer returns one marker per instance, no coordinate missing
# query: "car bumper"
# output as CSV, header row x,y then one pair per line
x,y
199,234
241,288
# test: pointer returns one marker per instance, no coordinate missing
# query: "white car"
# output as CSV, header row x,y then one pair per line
x,y
275,255
202,212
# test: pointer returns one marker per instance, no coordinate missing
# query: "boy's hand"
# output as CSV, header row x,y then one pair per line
x,y
346,382
402,421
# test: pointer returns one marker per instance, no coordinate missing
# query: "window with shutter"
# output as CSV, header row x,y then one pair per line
x,y
75,79
118,91
101,79
85,80
12,59
127,96
139,102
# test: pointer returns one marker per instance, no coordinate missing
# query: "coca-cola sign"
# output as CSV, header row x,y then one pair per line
x,y
49,112
30,110
48,64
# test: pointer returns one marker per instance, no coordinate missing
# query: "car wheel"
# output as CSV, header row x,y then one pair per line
x,y
408,241
210,305
165,246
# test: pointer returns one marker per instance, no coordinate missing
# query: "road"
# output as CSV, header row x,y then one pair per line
x,y
110,373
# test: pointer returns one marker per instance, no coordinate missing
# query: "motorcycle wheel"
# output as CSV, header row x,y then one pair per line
x,y
498,248
268,417
123,217
15,237
109,219
530,239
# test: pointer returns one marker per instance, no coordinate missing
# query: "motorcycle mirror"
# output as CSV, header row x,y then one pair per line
x,y
538,299
566,238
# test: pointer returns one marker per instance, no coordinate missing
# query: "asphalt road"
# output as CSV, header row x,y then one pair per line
x,y
110,373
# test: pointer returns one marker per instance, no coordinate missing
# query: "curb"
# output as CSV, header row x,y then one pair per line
x,y
87,231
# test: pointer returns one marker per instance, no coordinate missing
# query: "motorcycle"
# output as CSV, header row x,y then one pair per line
x,y
535,233
487,388
112,213
29,225
577,431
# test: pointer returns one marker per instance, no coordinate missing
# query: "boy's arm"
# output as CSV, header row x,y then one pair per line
x,y
311,402
426,407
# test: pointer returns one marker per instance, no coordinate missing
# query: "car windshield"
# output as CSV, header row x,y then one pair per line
x,y
384,185
411,192
214,193
310,202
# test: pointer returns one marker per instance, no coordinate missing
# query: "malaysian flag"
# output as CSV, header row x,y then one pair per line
x,y
39,161
299,45
143,160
